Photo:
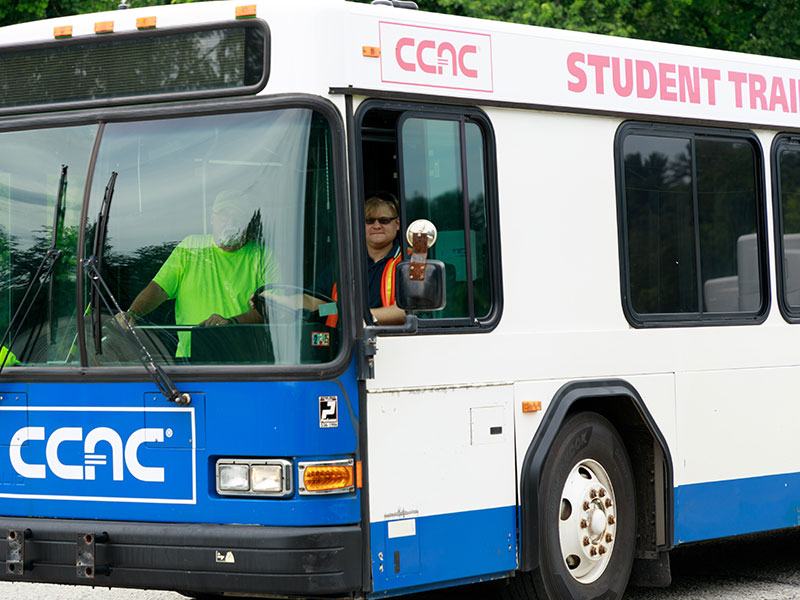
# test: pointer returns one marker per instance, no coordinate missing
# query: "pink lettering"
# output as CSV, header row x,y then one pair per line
x,y
738,80
793,95
689,84
398,49
666,81
469,49
447,46
712,76
778,95
616,76
646,90
758,85
421,47
572,66
599,63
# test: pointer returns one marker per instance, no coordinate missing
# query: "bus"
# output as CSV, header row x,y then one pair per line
x,y
599,271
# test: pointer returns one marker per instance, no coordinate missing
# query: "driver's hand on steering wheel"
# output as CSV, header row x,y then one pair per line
x,y
215,319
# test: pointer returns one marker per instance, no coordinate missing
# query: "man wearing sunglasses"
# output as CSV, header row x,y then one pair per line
x,y
383,254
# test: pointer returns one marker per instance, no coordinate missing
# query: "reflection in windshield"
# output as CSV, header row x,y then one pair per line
x,y
30,175
206,211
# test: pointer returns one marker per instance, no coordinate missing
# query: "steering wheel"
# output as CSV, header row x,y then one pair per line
x,y
261,301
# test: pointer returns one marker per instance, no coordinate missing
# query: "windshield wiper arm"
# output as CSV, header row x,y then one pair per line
x,y
58,223
162,380
43,273
100,234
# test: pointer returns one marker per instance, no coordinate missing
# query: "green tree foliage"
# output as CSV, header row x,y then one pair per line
x,y
20,11
754,26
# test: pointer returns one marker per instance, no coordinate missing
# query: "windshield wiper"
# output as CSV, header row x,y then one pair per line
x,y
100,234
101,291
58,224
162,380
43,273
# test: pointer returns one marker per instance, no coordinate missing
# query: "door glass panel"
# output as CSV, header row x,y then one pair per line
x,y
433,179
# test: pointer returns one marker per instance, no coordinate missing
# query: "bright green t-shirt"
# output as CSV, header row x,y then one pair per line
x,y
204,279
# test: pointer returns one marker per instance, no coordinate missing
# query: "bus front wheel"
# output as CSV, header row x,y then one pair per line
x,y
587,515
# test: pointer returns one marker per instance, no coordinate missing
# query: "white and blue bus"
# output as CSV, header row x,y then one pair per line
x,y
601,281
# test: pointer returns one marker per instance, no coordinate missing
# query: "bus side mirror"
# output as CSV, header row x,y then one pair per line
x,y
423,294
420,283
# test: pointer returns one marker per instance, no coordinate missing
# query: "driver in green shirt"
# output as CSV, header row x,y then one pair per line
x,y
211,277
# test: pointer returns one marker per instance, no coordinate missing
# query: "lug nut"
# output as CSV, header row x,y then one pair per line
x,y
608,502
602,549
584,524
611,519
609,538
592,494
586,540
585,506
593,551
602,492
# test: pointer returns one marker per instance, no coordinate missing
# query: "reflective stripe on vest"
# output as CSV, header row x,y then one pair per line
x,y
387,280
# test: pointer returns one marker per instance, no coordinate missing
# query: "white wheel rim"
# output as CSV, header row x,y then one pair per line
x,y
587,525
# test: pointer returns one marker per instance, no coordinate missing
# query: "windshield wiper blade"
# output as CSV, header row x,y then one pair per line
x,y
100,233
43,273
58,224
162,380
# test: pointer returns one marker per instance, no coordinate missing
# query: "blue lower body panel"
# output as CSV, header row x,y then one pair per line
x,y
441,550
718,509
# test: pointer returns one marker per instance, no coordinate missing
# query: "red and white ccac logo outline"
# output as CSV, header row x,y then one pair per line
x,y
432,57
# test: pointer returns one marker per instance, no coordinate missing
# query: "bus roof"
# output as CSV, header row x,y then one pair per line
x,y
319,45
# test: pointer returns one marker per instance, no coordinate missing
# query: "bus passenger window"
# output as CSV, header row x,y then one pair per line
x,y
693,226
787,214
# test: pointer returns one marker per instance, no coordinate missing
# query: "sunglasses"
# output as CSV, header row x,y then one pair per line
x,y
381,220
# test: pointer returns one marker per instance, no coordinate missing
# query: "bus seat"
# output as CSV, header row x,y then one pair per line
x,y
721,294
791,268
747,267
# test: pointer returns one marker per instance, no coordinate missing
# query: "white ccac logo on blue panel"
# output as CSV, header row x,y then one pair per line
x,y
101,453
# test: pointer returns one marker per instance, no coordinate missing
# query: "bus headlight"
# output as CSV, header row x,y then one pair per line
x,y
326,476
233,478
254,477
266,478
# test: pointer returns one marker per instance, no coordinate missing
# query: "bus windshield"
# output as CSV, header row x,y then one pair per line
x,y
217,240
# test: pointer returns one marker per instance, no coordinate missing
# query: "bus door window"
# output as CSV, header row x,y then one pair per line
x,y
437,163
443,181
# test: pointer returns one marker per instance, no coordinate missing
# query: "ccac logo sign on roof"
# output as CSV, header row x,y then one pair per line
x,y
100,454
442,58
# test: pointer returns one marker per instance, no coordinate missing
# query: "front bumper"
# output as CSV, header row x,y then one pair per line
x,y
247,559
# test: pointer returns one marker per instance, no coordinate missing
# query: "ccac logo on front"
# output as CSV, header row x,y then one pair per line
x,y
444,58
103,454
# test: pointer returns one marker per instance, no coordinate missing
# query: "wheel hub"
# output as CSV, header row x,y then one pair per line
x,y
587,525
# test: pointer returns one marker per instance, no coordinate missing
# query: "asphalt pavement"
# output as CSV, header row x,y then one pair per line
x,y
754,567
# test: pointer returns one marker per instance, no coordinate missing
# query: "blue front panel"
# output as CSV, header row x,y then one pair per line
x,y
725,508
121,451
442,550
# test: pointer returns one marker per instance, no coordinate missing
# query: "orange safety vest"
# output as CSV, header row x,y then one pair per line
x,y
387,280
387,288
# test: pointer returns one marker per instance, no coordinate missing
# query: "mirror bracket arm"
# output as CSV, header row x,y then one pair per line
x,y
367,346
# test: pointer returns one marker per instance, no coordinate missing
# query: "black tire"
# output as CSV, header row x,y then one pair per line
x,y
586,465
